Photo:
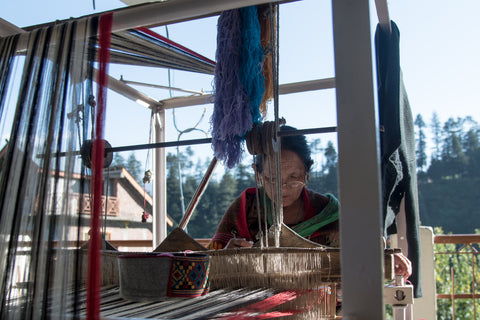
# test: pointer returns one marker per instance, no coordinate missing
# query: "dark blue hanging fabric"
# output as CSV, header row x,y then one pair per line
x,y
397,138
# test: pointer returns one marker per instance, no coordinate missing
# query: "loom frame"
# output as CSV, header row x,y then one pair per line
x,y
358,140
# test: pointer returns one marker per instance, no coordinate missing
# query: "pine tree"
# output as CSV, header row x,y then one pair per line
x,y
471,146
331,157
421,143
173,190
245,178
437,136
118,160
227,191
330,184
452,151
134,167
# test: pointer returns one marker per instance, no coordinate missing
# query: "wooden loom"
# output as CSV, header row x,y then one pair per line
x,y
339,74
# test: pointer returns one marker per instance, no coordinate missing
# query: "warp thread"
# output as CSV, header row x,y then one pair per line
x,y
307,274
239,83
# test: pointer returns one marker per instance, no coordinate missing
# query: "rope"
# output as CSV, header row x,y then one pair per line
x,y
147,177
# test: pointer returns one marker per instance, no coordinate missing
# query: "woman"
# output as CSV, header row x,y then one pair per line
x,y
312,215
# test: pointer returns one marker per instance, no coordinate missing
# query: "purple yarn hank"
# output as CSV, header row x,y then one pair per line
x,y
239,83
230,120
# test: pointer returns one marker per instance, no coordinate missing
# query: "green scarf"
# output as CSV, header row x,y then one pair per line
x,y
306,228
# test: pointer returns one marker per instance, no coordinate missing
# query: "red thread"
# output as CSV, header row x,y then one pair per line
x,y
251,311
94,259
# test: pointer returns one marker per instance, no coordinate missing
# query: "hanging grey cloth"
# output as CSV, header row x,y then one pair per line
x,y
397,138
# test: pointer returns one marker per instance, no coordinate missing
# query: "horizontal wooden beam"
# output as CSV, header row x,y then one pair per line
x,y
456,238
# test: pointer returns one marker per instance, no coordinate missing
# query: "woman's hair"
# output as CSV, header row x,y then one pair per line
x,y
294,143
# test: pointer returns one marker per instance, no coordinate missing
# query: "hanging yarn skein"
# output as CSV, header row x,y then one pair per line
x,y
267,18
239,83
251,54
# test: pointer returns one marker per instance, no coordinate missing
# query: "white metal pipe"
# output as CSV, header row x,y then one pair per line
x,y
160,182
310,85
287,88
129,92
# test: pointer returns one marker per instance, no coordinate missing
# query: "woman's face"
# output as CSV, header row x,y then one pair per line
x,y
293,177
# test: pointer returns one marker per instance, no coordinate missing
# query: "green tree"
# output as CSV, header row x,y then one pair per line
x,y
452,152
211,207
134,167
331,157
325,180
118,160
244,177
227,191
189,187
207,215
316,148
472,151
437,136
471,141
173,191
421,143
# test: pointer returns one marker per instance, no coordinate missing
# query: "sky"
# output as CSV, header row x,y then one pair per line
x,y
439,50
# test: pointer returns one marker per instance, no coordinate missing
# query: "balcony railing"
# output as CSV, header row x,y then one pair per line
x,y
459,253
111,208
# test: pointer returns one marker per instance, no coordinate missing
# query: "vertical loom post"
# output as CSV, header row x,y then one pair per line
x,y
160,181
358,160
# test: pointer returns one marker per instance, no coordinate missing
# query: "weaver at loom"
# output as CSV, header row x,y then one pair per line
x,y
310,214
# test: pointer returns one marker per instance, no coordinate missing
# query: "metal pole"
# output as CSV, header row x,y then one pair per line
x,y
160,182
161,13
158,13
358,163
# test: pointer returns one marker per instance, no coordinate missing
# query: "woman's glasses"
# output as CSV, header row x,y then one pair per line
x,y
292,184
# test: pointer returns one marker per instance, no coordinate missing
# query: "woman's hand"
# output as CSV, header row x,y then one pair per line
x,y
402,265
238,243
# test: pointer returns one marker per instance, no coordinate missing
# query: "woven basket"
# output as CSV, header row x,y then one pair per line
x,y
157,276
